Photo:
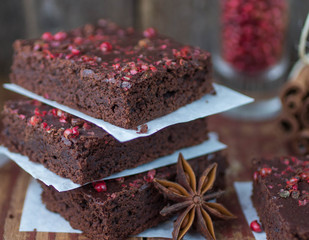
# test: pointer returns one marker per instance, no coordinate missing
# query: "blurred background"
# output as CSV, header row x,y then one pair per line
x,y
193,22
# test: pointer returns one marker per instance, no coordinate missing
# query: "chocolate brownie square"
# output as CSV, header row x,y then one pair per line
x,y
119,75
281,197
81,151
118,208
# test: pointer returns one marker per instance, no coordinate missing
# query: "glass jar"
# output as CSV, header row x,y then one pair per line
x,y
251,53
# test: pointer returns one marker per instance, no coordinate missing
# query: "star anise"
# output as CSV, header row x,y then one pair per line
x,y
192,200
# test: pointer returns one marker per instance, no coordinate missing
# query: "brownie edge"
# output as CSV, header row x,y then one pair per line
x,y
128,207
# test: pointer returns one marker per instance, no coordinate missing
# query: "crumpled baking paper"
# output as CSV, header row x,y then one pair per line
x,y
38,171
36,216
224,100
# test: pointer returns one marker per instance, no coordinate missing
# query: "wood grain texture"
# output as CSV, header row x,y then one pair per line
x,y
245,140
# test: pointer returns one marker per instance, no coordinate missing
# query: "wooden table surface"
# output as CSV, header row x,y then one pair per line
x,y
245,140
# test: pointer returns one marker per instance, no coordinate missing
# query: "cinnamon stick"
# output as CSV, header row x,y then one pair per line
x,y
294,91
291,96
289,125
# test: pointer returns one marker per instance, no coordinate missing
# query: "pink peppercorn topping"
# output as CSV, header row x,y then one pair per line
x,y
34,120
37,112
54,112
106,47
255,226
63,119
47,36
86,126
185,52
100,186
116,66
133,71
67,133
59,36
78,40
75,131
304,175
153,68
256,175
150,32
265,171
44,125
75,51
150,175
144,67
292,181
303,202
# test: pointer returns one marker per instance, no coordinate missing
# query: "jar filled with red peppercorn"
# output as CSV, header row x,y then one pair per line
x,y
251,55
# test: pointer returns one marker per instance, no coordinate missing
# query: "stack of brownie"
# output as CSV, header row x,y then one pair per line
x,y
125,78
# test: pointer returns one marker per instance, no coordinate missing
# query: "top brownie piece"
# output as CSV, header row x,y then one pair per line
x,y
281,196
119,75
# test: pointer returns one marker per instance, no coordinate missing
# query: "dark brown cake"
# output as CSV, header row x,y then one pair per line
x,y
125,206
124,77
281,197
81,151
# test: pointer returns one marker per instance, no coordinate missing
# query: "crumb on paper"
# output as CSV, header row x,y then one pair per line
x,y
143,129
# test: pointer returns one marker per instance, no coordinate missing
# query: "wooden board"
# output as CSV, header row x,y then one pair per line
x,y
245,140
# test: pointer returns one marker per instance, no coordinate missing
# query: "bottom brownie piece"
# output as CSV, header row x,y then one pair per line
x,y
129,205
281,197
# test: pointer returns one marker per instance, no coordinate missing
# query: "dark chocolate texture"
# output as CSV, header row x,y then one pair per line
x,y
129,206
281,197
119,75
81,151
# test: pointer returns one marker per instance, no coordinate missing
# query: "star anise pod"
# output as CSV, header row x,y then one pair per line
x,y
192,200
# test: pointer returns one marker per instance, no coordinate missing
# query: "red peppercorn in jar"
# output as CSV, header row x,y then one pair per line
x,y
253,33
251,51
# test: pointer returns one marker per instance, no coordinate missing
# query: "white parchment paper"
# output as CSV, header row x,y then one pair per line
x,y
36,216
224,100
38,171
244,192
3,159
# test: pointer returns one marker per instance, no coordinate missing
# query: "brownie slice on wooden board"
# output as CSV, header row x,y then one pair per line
x,y
281,197
129,206
81,151
119,75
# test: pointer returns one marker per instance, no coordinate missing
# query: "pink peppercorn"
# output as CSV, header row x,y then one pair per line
x,y
59,36
47,36
255,226
100,186
253,33
67,133
150,32
34,120
106,47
